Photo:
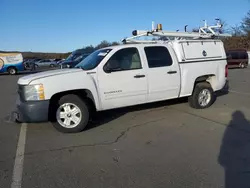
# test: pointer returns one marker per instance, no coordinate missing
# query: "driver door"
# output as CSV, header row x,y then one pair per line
x,y
122,80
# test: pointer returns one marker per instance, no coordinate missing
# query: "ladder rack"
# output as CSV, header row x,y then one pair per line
x,y
206,32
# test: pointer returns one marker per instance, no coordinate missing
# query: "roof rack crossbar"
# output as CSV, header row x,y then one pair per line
x,y
206,32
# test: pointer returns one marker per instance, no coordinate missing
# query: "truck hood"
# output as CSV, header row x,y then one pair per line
x,y
27,79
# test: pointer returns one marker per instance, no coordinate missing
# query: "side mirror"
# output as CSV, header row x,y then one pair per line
x,y
112,66
107,69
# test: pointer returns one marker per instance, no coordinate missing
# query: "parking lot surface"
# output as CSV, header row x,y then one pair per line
x,y
166,144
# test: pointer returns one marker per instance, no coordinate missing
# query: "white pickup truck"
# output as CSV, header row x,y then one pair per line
x,y
121,76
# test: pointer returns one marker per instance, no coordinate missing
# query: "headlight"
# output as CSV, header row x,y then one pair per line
x,y
34,92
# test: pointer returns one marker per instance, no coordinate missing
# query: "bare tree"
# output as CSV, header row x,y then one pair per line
x,y
245,24
236,31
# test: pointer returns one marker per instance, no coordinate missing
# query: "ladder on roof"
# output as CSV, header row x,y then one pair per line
x,y
205,32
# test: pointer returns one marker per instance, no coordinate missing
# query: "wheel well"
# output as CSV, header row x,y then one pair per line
x,y
206,78
82,93
11,67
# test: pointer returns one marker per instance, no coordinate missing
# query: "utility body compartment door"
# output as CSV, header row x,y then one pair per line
x,y
163,73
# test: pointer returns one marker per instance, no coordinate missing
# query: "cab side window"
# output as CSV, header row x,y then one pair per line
x,y
158,56
124,59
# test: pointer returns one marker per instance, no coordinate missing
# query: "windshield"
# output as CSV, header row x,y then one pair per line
x,y
93,60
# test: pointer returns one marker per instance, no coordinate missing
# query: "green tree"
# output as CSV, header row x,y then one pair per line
x,y
115,43
195,30
103,44
89,49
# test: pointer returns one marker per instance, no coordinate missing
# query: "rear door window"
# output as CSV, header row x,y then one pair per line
x,y
158,56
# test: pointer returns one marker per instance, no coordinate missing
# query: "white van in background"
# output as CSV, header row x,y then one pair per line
x,y
11,63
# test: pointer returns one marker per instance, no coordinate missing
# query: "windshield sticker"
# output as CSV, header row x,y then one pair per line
x,y
102,54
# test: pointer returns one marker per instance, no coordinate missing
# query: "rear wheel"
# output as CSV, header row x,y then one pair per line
x,y
12,70
72,114
203,96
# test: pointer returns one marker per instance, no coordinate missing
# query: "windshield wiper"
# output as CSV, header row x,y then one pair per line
x,y
80,67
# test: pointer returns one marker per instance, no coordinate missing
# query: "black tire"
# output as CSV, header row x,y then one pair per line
x,y
85,114
26,66
51,65
33,67
194,99
12,71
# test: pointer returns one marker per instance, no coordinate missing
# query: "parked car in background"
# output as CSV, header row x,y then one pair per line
x,y
58,60
11,63
30,63
74,58
73,63
237,58
45,63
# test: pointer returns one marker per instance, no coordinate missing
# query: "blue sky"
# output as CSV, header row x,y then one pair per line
x,y
65,25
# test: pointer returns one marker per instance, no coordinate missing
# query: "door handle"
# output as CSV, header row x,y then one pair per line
x,y
139,76
172,72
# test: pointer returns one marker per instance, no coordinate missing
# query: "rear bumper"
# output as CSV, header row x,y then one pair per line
x,y
226,86
224,90
32,112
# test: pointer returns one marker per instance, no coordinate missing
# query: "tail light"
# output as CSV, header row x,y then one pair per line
x,y
226,71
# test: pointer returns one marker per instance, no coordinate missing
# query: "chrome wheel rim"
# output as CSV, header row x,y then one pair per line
x,y
204,97
68,115
12,71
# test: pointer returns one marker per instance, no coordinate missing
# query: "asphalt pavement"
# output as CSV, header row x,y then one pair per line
x,y
166,144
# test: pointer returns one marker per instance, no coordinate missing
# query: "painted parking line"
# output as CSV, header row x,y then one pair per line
x,y
18,165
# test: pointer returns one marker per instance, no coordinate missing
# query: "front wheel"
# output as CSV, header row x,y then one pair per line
x,y
72,114
12,70
203,96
